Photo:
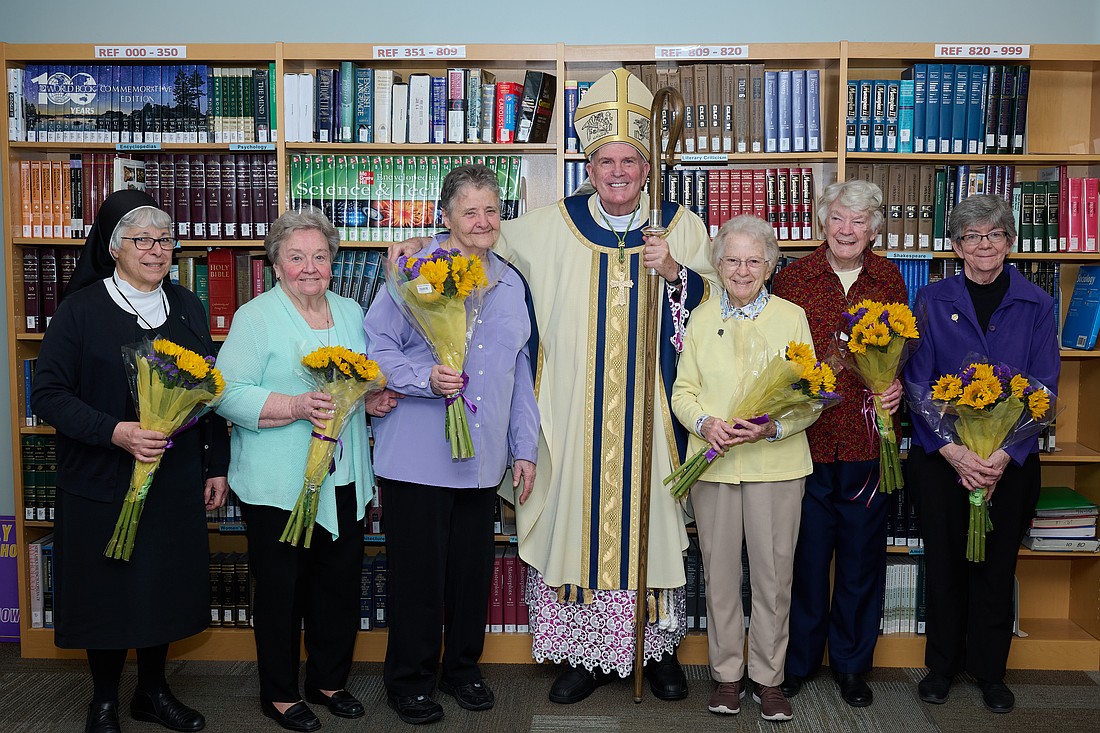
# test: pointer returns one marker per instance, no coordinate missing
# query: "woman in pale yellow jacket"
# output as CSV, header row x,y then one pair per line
x,y
754,489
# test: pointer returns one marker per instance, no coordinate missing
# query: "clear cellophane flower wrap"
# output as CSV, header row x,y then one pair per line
x,y
874,342
171,386
347,377
791,384
441,294
983,407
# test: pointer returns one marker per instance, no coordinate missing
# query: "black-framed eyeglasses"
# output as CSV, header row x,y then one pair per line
x,y
146,243
997,236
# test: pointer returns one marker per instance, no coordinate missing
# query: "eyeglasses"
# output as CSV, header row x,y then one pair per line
x,y
146,243
998,236
753,263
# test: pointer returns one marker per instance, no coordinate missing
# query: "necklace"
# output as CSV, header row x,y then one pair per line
x,y
327,327
163,300
621,239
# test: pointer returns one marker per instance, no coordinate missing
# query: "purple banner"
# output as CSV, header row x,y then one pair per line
x,y
9,571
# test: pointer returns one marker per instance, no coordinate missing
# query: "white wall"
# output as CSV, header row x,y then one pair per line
x,y
644,21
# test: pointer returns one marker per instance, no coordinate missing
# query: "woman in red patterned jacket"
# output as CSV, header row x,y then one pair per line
x,y
843,512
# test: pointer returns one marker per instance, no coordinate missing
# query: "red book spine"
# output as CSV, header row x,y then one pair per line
x,y
807,203
1063,206
714,201
222,287
523,622
496,594
772,209
725,208
509,599
1089,209
507,100
759,193
257,276
736,196
795,198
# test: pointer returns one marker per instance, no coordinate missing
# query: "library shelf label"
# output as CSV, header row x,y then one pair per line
x,y
701,52
141,52
420,52
983,51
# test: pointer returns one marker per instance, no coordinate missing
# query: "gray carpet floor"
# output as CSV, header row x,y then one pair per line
x,y
45,695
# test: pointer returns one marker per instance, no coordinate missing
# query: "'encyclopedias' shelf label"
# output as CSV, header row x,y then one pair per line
x,y
704,157
701,52
250,147
983,51
909,255
432,51
141,52
137,146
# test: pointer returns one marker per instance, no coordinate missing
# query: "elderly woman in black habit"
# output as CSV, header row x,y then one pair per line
x,y
119,296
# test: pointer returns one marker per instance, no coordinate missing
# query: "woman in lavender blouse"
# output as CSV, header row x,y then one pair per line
x,y
438,510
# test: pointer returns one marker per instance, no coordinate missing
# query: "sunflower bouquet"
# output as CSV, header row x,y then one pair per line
x,y
440,294
347,377
792,383
985,407
170,386
876,339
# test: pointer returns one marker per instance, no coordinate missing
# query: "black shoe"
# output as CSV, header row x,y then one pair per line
x,y
573,684
163,708
934,688
298,717
853,689
997,697
474,695
102,718
666,678
416,709
341,703
791,685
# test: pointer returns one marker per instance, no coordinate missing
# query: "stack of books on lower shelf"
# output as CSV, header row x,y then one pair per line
x,y
903,596
1064,521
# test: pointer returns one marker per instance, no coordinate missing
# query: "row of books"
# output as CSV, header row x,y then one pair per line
x,y
210,196
508,612
152,103
46,274
902,523
40,585
739,108
959,109
355,104
784,197
904,609
1070,214
388,198
230,590
695,589
1064,520
39,459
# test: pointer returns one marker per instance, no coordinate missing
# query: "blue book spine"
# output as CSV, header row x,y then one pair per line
x,y
906,117
202,75
947,106
920,107
1083,316
865,115
893,114
798,111
962,106
785,119
570,178
878,116
932,109
771,112
439,110
975,109
28,379
570,112
364,105
813,110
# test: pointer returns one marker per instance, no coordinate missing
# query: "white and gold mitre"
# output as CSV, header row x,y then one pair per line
x,y
615,109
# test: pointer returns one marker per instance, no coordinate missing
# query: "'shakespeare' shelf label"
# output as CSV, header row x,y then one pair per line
x,y
983,51
148,53
701,52
431,51
908,255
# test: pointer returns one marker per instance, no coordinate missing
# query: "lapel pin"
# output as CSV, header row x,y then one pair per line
x,y
955,317
721,331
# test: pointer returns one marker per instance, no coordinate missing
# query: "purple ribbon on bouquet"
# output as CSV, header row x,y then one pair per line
x,y
711,454
868,410
179,430
339,443
448,401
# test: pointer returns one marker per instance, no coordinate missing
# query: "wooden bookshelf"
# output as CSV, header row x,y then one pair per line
x,y
1060,592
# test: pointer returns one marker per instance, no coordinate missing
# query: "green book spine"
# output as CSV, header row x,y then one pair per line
x,y
273,88
939,215
49,478
202,285
27,459
248,105
340,194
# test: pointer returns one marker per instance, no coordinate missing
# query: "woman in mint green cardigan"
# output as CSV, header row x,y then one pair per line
x,y
273,413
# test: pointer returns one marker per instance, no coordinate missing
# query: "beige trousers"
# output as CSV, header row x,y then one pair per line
x,y
766,515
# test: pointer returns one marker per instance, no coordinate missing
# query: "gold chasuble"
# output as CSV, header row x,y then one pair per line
x,y
580,524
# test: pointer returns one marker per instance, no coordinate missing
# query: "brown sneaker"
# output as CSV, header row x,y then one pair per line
x,y
726,699
773,703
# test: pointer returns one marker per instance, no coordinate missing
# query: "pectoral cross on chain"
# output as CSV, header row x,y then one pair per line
x,y
622,284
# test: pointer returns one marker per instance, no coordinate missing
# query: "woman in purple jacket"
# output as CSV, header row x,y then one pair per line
x,y
994,311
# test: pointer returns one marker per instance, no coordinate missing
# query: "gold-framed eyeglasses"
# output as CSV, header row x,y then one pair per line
x,y
146,243
734,263
972,239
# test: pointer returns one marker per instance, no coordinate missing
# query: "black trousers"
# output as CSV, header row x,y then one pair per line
x,y
319,586
969,603
844,522
439,545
